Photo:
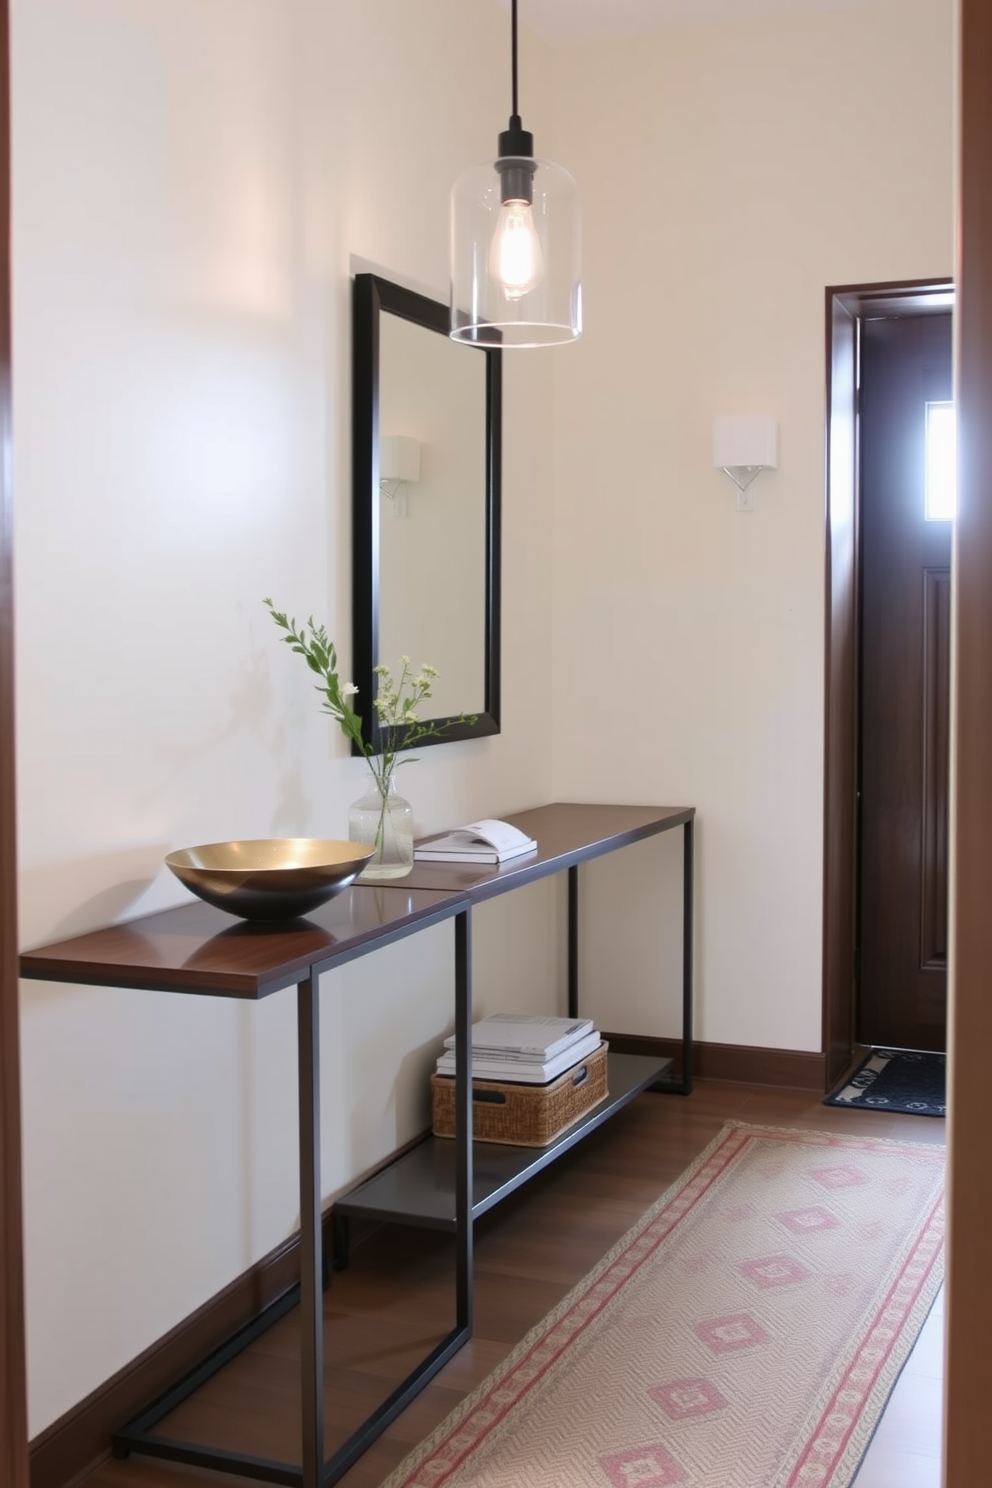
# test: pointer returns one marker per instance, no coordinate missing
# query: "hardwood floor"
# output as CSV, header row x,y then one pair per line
x,y
396,1299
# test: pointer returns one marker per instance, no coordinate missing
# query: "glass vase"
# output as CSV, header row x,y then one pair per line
x,y
384,820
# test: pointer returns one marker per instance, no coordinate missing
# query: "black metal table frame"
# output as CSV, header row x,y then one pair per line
x,y
316,1472
139,1435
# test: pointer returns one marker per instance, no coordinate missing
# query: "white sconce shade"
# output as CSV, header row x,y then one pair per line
x,y
746,440
399,466
399,458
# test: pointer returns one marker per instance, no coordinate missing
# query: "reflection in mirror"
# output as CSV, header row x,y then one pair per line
x,y
432,532
426,506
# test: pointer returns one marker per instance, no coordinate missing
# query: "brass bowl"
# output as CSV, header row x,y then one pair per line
x,y
270,878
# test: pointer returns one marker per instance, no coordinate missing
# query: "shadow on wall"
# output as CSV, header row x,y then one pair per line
x,y
126,875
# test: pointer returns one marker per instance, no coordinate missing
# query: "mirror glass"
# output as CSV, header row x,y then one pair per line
x,y
426,505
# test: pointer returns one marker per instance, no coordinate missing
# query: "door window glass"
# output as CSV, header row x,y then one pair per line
x,y
942,462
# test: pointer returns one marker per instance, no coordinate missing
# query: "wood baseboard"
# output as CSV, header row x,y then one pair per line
x,y
785,1069
67,1450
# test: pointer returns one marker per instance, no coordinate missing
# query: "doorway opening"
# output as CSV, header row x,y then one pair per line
x,y
850,309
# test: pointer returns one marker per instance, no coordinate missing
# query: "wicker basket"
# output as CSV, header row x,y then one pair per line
x,y
524,1115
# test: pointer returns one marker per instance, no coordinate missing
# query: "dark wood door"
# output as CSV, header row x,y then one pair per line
x,y
905,679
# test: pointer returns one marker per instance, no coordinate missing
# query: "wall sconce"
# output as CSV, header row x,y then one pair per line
x,y
399,465
743,446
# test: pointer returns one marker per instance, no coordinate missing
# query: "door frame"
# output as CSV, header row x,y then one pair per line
x,y
13,1388
846,308
968,1311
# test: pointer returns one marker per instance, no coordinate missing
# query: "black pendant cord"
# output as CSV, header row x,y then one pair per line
x,y
513,55
516,142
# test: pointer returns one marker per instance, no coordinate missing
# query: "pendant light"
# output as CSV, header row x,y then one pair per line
x,y
515,249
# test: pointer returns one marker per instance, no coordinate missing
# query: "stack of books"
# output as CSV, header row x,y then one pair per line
x,y
518,1049
480,842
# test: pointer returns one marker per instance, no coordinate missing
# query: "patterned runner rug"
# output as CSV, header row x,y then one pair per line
x,y
746,1333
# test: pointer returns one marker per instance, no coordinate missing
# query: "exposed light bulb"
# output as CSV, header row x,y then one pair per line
x,y
515,258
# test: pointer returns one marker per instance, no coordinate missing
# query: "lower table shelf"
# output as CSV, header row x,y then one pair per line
x,y
419,1188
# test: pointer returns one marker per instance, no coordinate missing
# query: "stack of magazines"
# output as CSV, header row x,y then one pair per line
x,y
524,1050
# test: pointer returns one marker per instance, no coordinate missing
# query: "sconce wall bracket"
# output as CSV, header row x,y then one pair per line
x,y
742,475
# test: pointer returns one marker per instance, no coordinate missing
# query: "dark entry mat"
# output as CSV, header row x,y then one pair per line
x,y
895,1080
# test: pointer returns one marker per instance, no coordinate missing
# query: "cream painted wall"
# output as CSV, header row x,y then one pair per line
x,y
194,183
728,175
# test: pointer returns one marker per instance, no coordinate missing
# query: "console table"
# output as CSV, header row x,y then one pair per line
x,y
200,950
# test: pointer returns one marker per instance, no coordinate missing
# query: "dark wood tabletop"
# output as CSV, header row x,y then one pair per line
x,y
197,948
566,833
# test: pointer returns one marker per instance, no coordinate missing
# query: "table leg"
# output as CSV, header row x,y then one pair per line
x,y
687,933
463,1121
573,941
311,1293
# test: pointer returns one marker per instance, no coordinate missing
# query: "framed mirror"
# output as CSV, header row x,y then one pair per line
x,y
426,437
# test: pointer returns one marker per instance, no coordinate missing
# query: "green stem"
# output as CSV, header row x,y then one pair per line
x,y
380,835
382,780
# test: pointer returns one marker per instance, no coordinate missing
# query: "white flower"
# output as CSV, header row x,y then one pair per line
x,y
349,689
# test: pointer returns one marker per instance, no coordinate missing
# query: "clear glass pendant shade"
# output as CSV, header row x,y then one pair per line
x,y
515,264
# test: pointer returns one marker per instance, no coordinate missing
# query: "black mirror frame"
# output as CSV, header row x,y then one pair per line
x,y
370,296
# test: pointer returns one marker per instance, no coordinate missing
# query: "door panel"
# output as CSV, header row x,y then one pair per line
x,y
905,634
936,694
